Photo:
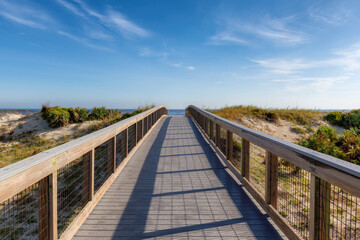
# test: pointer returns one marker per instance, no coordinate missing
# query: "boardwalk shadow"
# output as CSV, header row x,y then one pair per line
x,y
138,206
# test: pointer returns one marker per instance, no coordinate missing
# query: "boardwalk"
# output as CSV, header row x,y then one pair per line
x,y
174,187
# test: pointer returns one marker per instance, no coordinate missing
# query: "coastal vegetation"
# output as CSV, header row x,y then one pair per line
x,y
70,123
315,128
335,133
297,116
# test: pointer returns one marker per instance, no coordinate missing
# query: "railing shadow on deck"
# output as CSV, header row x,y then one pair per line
x,y
240,199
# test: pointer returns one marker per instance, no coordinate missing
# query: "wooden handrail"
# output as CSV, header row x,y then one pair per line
x,y
16,177
43,168
333,170
324,171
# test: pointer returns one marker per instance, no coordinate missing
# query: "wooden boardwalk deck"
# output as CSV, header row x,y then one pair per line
x,y
174,187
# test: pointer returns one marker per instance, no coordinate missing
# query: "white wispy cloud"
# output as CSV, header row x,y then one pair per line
x,y
72,8
111,19
238,31
317,84
127,28
180,65
83,41
25,15
227,38
290,71
284,66
332,12
347,59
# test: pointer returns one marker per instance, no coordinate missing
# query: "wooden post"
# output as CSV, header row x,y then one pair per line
x,y
229,145
53,206
319,209
245,157
44,205
271,179
218,140
212,130
92,174
111,159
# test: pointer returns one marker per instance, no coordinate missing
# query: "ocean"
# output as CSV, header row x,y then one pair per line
x,y
172,112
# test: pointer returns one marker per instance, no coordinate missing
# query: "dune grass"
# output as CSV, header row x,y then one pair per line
x,y
30,144
294,115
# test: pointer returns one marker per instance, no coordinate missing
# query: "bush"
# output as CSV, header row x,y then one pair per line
x,y
326,140
351,120
83,114
335,118
57,117
98,113
74,115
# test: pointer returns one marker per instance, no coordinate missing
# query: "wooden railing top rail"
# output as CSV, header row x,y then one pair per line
x,y
16,177
336,171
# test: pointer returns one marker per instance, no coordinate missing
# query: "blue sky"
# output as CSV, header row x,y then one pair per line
x,y
122,54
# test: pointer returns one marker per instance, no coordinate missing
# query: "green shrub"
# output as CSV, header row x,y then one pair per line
x,y
74,115
351,120
335,118
326,140
98,113
83,114
57,117
45,111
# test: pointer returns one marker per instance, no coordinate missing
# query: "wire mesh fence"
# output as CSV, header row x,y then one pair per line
x,y
294,196
339,213
236,159
139,130
25,215
120,147
222,141
257,168
131,137
73,190
102,165
145,125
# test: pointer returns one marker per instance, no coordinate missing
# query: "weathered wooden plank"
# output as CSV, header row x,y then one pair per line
x,y
53,206
16,177
218,140
271,179
79,220
333,170
43,222
245,158
134,202
229,145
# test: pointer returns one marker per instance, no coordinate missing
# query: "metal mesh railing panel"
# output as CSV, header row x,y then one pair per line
x,y
236,161
25,215
73,190
102,165
139,130
120,148
222,143
294,196
257,168
339,213
131,137
145,125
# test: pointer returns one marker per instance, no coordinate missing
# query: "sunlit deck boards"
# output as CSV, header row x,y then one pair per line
x,y
174,187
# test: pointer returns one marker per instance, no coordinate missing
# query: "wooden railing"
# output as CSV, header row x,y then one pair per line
x,y
49,195
307,194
